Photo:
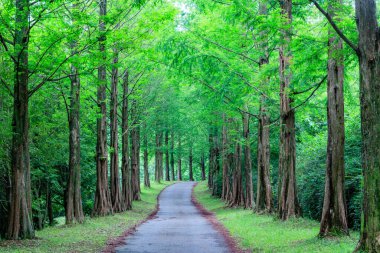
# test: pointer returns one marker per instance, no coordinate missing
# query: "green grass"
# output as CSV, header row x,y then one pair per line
x,y
92,235
264,233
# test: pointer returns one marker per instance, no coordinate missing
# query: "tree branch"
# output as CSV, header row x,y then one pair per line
x,y
337,30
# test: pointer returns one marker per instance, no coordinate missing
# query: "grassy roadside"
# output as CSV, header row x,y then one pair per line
x,y
93,234
263,233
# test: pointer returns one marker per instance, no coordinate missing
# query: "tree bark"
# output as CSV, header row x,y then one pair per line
x,y
179,160
159,157
114,142
288,205
172,156
226,162
334,212
135,154
126,189
203,167
191,176
20,224
167,168
369,65
102,205
146,160
74,211
264,197
249,202
237,194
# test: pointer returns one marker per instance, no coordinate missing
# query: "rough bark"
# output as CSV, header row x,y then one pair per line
x,y
249,202
114,142
126,189
369,65
334,212
135,154
20,224
102,204
288,205
172,156
264,198
167,167
73,210
146,161
214,156
191,176
264,202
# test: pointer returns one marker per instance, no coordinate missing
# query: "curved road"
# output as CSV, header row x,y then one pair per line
x,y
178,228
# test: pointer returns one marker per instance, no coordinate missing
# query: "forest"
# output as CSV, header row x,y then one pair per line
x,y
275,104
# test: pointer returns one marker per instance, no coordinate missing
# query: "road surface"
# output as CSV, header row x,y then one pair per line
x,y
178,228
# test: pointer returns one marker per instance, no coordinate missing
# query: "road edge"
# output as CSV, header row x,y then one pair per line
x,y
210,216
115,242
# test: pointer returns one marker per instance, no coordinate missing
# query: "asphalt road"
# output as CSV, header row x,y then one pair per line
x,y
178,228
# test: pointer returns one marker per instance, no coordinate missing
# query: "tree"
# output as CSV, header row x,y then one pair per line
x,y
334,213
20,212
114,167
288,205
102,204
126,181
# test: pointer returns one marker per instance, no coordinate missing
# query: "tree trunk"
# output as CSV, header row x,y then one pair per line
x,y
249,202
135,154
172,156
158,157
146,160
126,192
179,160
264,201
288,205
114,142
191,176
214,156
237,194
49,204
74,211
203,167
225,162
20,224
334,212
102,205
369,65
167,169
264,198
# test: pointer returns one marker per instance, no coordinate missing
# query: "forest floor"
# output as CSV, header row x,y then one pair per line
x,y
264,233
93,234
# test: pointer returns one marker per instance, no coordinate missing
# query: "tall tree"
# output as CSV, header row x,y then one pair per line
x,y
74,211
191,176
20,223
249,202
202,164
146,160
167,168
288,205
114,142
135,153
179,169
159,157
334,213
102,205
172,156
126,183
